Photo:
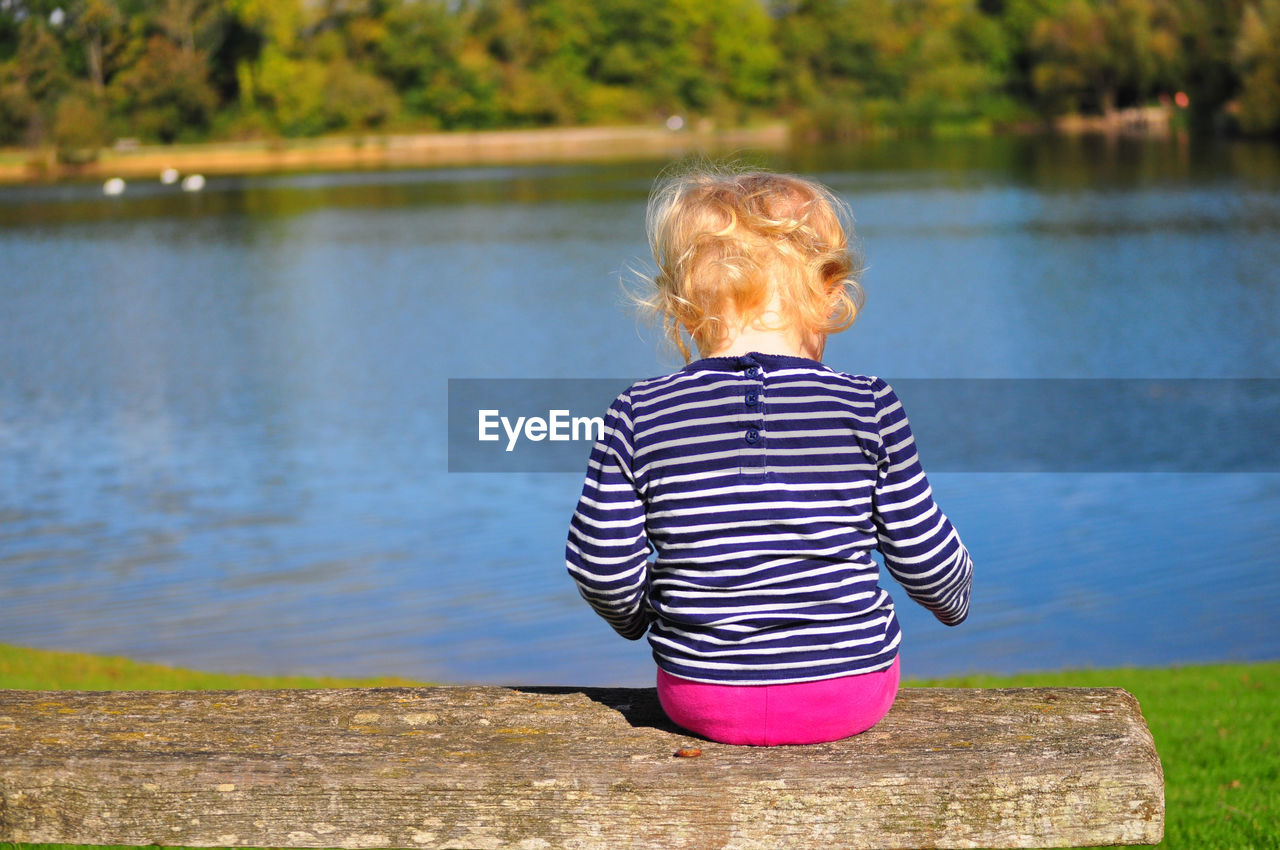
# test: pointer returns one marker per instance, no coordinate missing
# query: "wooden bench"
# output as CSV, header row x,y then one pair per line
x,y
490,767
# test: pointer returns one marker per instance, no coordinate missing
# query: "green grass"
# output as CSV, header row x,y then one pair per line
x,y
38,670
1216,727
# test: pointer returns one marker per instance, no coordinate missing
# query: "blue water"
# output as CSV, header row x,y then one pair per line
x,y
222,416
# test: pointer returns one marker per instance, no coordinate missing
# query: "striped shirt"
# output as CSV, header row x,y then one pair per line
x,y
762,482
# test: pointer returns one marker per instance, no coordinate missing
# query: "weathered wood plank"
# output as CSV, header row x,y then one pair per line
x,y
489,767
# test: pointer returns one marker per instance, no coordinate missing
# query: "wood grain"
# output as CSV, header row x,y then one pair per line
x,y
491,767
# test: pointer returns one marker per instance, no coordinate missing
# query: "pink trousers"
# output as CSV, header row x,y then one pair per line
x,y
772,715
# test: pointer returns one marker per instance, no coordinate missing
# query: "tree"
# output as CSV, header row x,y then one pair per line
x,y
954,65
32,83
1208,75
849,50
17,108
254,28
307,96
166,94
92,23
1100,56
192,24
1257,60
80,127
1019,18
742,53
440,73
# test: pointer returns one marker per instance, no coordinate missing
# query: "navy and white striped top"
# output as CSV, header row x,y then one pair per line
x,y
763,482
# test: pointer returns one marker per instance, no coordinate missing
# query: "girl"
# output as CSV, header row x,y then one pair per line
x,y
762,478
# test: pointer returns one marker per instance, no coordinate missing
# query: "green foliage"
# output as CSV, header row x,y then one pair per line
x,y
39,669
1100,54
308,96
34,81
165,93
79,127
171,70
441,77
952,67
17,108
1257,60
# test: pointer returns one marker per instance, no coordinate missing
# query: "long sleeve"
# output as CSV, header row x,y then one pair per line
x,y
607,551
921,549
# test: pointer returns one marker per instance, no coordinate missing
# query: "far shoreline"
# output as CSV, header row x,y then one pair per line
x,y
422,150
130,160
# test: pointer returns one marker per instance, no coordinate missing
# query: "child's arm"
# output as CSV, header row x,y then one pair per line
x,y
607,553
921,548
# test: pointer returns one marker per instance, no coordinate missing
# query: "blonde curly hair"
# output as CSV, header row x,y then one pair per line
x,y
732,244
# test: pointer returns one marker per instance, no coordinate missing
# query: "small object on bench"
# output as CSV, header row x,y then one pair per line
x,y
491,767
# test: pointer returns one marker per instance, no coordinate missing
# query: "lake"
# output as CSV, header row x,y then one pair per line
x,y
223,416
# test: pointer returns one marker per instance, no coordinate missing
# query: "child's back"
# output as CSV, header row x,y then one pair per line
x,y
763,478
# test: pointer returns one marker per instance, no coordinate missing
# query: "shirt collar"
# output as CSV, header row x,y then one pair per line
x,y
742,362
